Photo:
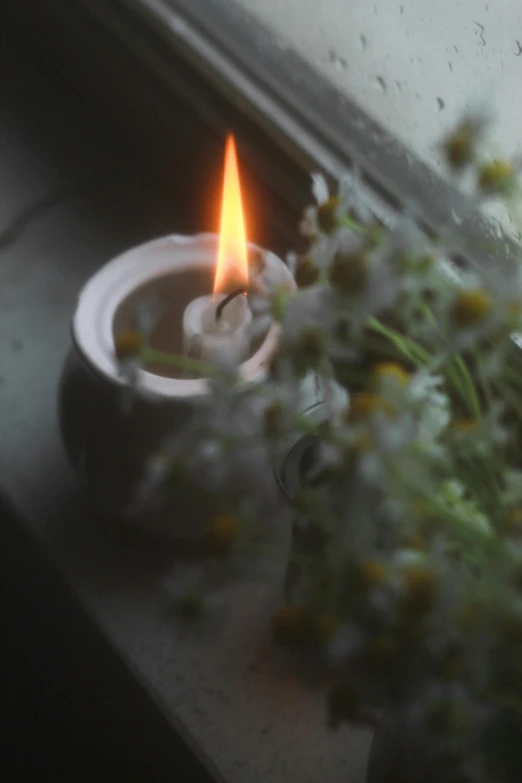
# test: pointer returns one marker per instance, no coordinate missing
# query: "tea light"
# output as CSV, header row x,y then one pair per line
x,y
211,334
189,278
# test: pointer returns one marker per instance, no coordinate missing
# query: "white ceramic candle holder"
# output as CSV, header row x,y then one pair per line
x,y
108,446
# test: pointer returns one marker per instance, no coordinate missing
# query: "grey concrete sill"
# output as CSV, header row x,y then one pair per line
x,y
69,202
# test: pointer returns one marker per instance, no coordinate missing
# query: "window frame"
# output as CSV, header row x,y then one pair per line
x,y
310,121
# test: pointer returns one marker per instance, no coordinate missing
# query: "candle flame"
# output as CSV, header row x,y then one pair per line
x,y
232,263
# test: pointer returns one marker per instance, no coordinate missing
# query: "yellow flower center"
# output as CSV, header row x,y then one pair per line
x,y
415,541
306,273
289,622
452,667
391,370
419,585
312,343
464,426
361,442
365,404
382,648
221,533
496,176
349,272
469,616
324,626
471,307
127,344
274,419
513,521
460,147
327,215
513,310
372,574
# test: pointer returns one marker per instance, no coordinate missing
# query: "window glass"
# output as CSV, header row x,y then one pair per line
x,y
414,65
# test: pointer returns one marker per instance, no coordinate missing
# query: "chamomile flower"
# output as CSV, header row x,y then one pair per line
x,y
406,566
324,217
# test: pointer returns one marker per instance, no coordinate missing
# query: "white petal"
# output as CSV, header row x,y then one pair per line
x,y
291,262
351,197
336,397
320,188
308,226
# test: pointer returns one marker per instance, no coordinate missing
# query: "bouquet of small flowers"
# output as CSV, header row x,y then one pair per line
x,y
406,571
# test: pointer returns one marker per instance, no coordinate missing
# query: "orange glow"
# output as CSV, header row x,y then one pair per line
x,y
232,263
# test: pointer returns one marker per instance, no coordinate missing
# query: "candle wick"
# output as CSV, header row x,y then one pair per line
x,y
221,306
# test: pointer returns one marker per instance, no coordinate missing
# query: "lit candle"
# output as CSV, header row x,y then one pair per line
x,y
217,325
210,332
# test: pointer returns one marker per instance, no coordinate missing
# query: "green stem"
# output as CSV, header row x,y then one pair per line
x,y
466,386
152,356
349,222
469,391
406,345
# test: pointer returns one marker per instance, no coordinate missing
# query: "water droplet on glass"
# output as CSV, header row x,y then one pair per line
x,y
479,31
398,86
337,60
380,84
401,9
456,48
363,41
450,67
440,103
